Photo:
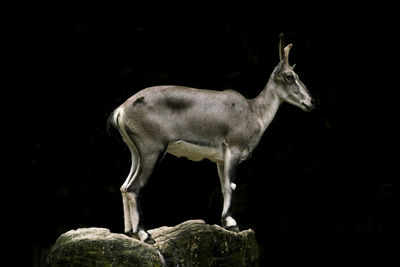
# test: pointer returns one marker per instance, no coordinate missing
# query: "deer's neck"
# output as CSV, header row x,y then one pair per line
x,y
266,104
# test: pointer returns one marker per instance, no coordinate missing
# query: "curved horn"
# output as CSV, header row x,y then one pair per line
x,y
281,53
286,52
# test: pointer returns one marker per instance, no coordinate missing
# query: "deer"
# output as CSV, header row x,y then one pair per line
x,y
221,126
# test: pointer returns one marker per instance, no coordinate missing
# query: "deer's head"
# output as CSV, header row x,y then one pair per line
x,y
287,83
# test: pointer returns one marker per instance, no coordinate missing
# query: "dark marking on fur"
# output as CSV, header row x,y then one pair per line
x,y
139,101
178,104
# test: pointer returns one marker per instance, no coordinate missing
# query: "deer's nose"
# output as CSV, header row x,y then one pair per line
x,y
310,105
312,102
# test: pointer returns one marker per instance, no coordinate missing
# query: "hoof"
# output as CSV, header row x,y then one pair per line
x,y
149,240
233,228
131,234
230,224
144,236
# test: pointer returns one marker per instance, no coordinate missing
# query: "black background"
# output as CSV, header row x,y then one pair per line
x,y
317,188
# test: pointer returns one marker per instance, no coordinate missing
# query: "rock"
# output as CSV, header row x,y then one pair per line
x,y
99,247
195,243
192,243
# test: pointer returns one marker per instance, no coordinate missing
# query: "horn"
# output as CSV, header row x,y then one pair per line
x,y
281,53
286,52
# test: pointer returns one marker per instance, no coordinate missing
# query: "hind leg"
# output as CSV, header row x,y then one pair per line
x,y
125,201
130,193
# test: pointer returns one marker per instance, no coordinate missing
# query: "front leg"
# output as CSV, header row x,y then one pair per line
x,y
226,173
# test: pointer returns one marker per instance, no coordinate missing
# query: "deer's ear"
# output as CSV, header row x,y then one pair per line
x,y
278,68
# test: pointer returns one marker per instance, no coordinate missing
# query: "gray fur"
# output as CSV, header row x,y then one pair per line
x,y
222,126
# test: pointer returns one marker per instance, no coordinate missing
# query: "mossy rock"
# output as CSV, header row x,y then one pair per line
x,y
99,247
195,243
192,243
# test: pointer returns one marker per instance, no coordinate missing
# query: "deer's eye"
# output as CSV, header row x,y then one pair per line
x,y
290,78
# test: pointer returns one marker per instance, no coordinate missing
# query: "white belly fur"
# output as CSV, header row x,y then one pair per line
x,y
195,152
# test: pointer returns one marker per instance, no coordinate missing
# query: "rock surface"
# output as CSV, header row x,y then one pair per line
x,y
99,247
191,243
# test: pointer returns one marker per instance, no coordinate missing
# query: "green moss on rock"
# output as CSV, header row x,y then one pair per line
x,y
192,243
99,247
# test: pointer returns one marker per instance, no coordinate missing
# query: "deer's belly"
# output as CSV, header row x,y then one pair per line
x,y
195,152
